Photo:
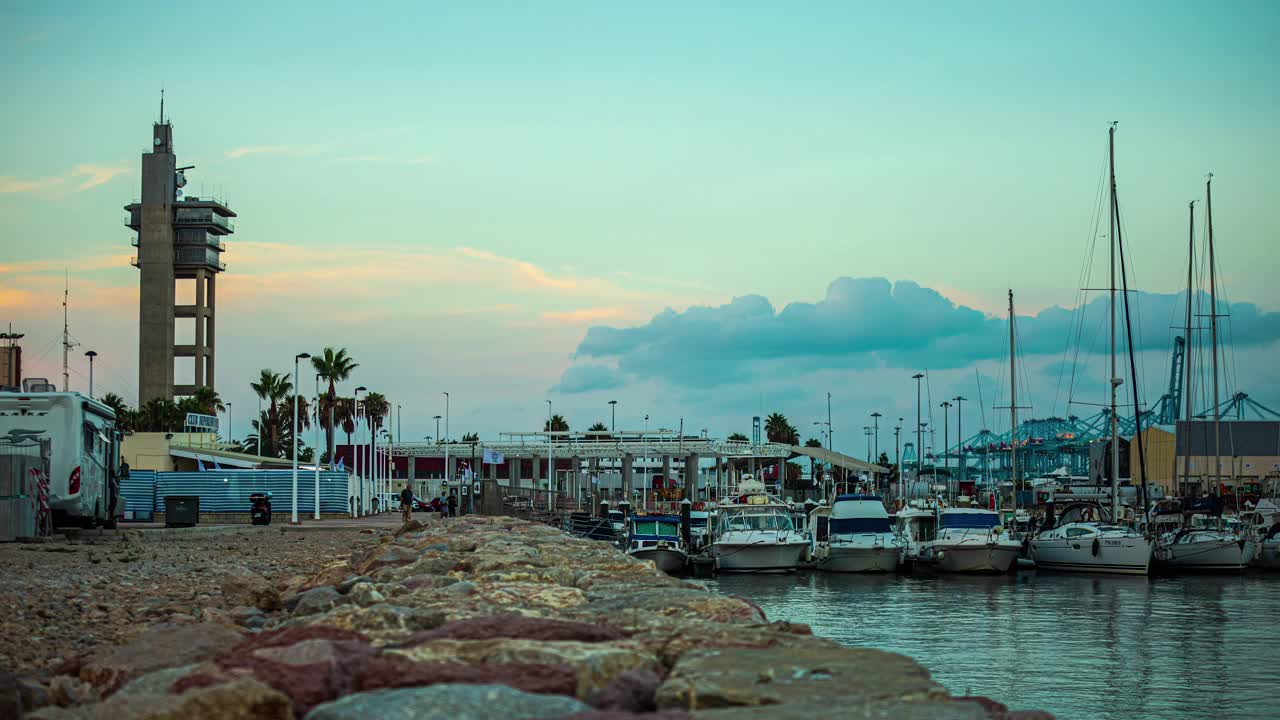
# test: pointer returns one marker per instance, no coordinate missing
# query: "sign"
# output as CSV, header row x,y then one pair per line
x,y
493,457
475,489
464,488
201,422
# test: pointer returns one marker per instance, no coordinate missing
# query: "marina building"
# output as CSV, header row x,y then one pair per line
x,y
1250,455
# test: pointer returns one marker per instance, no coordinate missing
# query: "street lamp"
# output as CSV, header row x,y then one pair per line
x,y
875,416
230,436
613,415
437,419
866,432
316,454
355,449
946,433
296,358
447,478
919,426
551,471
91,355
960,438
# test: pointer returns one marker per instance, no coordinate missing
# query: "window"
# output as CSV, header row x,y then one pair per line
x,y
1078,532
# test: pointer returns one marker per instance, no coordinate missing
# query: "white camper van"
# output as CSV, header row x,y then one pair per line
x,y
85,451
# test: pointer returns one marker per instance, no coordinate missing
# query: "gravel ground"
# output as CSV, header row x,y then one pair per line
x,y
63,599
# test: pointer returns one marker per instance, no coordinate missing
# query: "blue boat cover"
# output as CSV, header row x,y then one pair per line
x,y
978,521
850,526
873,498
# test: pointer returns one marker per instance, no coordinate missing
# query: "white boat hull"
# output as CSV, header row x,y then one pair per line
x,y
668,560
1124,556
758,557
839,557
1268,555
1210,554
974,558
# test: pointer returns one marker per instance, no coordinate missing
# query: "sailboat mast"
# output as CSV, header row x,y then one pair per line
x,y
1115,419
66,338
1213,336
1013,410
1188,382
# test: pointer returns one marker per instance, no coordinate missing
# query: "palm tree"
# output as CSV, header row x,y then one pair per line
x,y
813,443
598,427
557,423
778,430
159,415
334,366
206,401
273,388
470,437
124,416
376,409
737,437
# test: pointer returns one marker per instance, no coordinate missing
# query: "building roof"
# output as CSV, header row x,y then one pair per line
x,y
838,459
232,459
1235,437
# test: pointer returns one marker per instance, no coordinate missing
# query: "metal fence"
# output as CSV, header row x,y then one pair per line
x,y
24,466
223,491
139,493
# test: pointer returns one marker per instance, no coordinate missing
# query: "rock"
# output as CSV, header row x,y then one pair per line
x,y
250,617
383,622
159,647
65,690
389,555
242,698
411,526
34,693
242,587
317,600
842,677
462,587
632,691
154,683
808,709
365,594
11,705
525,628
447,702
352,580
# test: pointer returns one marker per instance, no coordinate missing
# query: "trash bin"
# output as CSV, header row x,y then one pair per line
x,y
260,508
181,510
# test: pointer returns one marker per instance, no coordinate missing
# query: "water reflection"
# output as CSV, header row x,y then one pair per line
x,y
1081,646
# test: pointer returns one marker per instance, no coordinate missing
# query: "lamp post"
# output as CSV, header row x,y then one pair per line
x,y
551,471
964,467
355,451
946,433
919,429
230,436
294,510
257,443
316,459
646,422
897,455
613,415
866,432
875,451
91,355
447,479
437,419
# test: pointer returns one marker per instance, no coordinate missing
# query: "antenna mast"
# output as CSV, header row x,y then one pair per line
x,y
66,335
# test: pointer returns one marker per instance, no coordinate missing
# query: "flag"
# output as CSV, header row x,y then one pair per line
x,y
493,457
216,466
341,464
199,464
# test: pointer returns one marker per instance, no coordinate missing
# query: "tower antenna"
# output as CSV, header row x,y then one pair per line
x,y
162,104
66,336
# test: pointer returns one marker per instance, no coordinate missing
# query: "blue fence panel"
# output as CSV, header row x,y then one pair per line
x,y
139,493
228,490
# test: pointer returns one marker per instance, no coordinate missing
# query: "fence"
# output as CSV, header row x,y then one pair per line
x,y
227,491
139,492
23,465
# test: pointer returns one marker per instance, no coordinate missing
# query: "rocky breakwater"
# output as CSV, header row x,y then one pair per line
x,y
498,618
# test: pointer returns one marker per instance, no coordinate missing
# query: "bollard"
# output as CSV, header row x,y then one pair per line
x,y
604,508
686,523
625,507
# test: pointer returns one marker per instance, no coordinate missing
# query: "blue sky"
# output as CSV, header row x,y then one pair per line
x,y
459,192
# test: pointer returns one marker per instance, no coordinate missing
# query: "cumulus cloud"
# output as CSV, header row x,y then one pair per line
x,y
870,322
588,377
10,184
95,175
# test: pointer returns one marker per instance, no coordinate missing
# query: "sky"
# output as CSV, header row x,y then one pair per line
x,y
703,211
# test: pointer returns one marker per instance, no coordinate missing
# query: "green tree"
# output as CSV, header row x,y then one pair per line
x,y
779,430
272,388
470,437
160,415
125,417
557,423
737,437
205,401
813,443
598,427
333,366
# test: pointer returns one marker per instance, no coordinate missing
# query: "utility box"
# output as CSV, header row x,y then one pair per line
x,y
181,510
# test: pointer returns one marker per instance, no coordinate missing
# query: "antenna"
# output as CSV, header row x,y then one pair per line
x,y
66,336
161,104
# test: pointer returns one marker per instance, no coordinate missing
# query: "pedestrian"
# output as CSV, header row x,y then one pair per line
x,y
453,504
406,503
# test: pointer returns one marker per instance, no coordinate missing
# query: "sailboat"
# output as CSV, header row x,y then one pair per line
x,y
1086,537
1204,544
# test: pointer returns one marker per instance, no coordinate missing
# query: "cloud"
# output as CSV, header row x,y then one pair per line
x,y
96,174
527,269
389,159
10,184
247,150
870,322
588,377
584,315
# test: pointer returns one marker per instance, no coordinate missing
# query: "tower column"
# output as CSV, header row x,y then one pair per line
x,y
199,323
208,337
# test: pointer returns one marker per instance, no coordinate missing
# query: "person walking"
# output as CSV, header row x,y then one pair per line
x,y
453,504
406,503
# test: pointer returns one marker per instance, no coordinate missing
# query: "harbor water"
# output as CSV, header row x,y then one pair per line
x,y
1079,646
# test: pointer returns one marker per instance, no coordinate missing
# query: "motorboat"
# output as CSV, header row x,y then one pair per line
x,y
1269,549
1084,539
699,529
971,540
754,532
857,537
1207,545
915,525
657,538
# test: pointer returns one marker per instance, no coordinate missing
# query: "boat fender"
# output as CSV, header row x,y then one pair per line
x,y
1240,542
1097,547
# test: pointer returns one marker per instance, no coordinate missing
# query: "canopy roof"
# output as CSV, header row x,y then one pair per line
x,y
838,459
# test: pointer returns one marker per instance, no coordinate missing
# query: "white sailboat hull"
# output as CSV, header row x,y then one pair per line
x,y
1122,555
855,557
668,560
974,557
1269,555
1210,552
758,557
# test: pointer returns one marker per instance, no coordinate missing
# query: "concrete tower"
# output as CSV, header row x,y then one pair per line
x,y
178,241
